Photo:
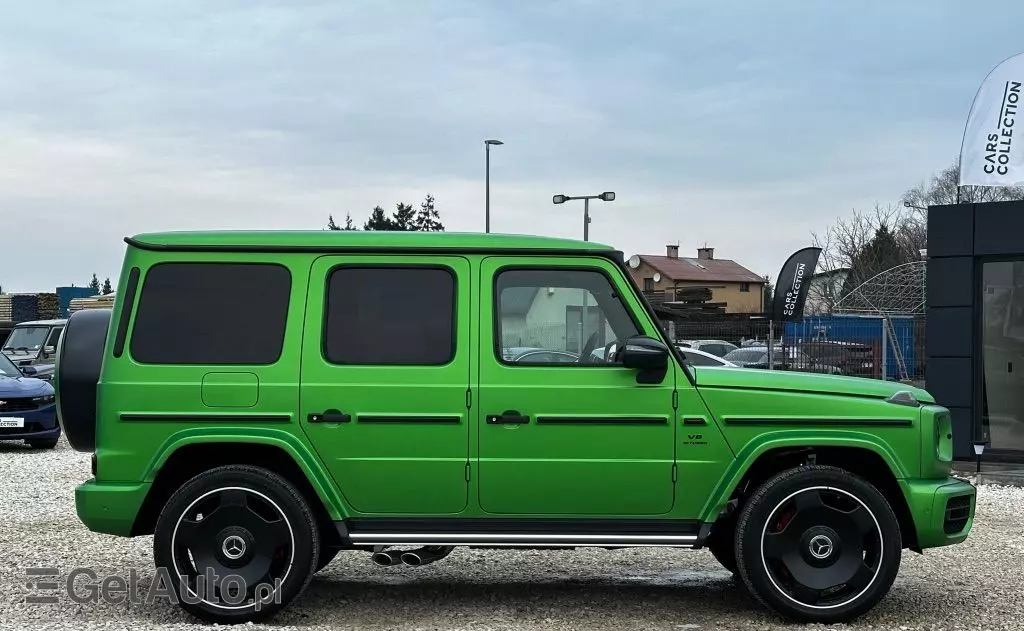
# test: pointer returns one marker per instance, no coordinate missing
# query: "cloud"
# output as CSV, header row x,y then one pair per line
x,y
744,125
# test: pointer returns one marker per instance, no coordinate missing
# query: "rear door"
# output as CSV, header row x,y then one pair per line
x,y
385,378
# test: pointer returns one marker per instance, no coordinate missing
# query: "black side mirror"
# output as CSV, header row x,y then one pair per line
x,y
646,354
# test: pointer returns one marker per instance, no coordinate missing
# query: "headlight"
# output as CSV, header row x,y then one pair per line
x,y
44,400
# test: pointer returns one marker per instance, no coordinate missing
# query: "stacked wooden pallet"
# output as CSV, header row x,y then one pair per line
x,y
47,307
92,302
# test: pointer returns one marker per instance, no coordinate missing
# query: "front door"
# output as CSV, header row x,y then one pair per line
x,y
561,432
385,374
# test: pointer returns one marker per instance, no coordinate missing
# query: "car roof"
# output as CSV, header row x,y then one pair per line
x,y
41,322
327,240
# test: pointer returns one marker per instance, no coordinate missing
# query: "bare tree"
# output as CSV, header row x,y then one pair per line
x,y
857,246
941,190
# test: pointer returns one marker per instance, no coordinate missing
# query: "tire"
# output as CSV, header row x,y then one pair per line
x,y
810,530
234,510
722,542
46,443
76,374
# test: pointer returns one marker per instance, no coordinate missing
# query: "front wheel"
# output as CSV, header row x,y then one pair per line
x,y
818,544
237,543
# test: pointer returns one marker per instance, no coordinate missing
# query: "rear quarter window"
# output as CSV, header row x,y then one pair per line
x,y
211,313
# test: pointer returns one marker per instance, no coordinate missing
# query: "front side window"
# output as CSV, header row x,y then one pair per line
x,y
212,313
7,367
552,316
390,316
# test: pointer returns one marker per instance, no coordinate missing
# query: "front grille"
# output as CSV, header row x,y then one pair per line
x,y
958,511
17,405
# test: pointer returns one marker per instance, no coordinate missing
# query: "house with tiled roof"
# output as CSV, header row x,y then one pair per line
x,y
725,282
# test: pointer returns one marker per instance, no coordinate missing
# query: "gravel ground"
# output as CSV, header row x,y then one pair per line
x,y
976,585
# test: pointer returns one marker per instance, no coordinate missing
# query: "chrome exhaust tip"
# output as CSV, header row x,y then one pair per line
x,y
411,558
385,558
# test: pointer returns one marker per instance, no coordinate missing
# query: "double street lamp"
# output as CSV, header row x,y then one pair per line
x,y
607,196
487,203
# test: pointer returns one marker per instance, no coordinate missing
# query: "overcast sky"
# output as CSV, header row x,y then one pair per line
x,y
744,125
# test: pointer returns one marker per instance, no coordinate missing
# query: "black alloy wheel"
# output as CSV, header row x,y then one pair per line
x,y
238,543
818,544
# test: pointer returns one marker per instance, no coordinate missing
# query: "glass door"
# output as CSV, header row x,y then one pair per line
x,y
1002,341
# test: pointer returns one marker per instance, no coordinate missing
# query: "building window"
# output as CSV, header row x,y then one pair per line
x,y
648,284
744,287
212,313
390,316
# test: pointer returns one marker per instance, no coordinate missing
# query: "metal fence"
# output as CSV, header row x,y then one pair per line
x,y
877,347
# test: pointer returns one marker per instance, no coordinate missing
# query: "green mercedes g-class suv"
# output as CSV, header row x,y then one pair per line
x,y
259,401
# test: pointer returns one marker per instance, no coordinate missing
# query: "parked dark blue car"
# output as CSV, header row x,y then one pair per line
x,y
27,409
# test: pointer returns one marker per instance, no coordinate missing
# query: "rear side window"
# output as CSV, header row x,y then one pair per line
x,y
390,316
211,313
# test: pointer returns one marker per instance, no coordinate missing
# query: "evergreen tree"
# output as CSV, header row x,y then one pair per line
x,y
769,295
378,220
427,218
404,218
879,254
107,289
348,223
94,284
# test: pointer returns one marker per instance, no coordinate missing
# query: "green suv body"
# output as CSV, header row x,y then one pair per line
x,y
258,401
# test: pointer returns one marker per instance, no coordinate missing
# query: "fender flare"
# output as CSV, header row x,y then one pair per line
x,y
781,439
307,462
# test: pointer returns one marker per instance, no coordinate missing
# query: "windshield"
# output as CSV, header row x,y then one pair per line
x,y
7,367
746,355
26,338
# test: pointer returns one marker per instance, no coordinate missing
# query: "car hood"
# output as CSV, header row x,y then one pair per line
x,y
724,377
23,387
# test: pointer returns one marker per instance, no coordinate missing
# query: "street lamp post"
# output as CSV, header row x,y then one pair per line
x,y
607,196
487,202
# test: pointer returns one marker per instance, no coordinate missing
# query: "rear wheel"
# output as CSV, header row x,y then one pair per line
x,y
818,544
237,543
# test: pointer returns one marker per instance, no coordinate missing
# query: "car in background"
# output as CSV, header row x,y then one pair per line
x,y
34,343
716,347
696,357
851,358
27,408
785,358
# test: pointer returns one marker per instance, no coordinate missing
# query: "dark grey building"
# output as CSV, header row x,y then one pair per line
x,y
974,341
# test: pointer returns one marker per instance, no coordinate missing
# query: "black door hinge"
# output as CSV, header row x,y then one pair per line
x,y
675,472
467,472
469,398
675,399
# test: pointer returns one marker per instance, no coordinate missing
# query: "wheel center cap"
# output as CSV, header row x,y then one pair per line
x,y
820,546
233,547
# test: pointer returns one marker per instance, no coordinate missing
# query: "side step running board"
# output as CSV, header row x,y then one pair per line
x,y
521,539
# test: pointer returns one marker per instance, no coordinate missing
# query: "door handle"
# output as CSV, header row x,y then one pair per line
x,y
329,416
507,417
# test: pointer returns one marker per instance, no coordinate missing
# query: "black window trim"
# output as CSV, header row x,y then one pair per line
x,y
547,266
134,312
391,265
